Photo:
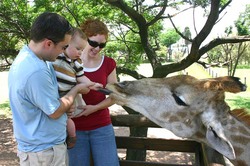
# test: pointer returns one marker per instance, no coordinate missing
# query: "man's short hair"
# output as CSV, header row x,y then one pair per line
x,y
51,26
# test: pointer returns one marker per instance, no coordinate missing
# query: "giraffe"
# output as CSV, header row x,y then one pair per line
x,y
192,108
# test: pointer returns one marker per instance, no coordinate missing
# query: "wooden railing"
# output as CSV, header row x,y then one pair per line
x,y
204,156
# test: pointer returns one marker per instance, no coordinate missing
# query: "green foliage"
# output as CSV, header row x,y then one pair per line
x,y
125,42
15,21
162,54
206,3
228,31
243,22
169,37
215,55
15,18
202,3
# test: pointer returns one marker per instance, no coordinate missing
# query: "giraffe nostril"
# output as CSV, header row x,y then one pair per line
x,y
122,84
244,88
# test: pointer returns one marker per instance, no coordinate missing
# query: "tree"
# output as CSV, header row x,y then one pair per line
x,y
197,50
14,20
243,22
231,55
168,38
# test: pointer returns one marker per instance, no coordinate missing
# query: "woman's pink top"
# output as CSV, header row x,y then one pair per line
x,y
99,118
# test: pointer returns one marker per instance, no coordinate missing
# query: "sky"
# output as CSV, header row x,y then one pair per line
x,y
236,7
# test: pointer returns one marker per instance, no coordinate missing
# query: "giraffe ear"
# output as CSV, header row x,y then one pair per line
x,y
219,142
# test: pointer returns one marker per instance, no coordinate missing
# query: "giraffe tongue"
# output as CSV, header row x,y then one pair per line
x,y
105,91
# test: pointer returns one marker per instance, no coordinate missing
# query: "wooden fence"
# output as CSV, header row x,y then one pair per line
x,y
204,156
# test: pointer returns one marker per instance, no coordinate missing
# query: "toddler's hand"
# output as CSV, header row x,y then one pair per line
x,y
71,111
96,86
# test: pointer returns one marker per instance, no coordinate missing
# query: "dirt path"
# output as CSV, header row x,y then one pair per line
x,y
7,143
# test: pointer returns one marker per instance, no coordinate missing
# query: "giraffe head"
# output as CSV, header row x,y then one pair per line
x,y
188,107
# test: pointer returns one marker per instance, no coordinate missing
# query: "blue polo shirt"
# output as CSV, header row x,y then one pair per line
x,y
33,95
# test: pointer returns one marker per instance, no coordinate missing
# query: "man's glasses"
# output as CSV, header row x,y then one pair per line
x,y
96,44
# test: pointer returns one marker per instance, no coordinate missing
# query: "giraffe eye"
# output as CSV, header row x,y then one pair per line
x,y
179,100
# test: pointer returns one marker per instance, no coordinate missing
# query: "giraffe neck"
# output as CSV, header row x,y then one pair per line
x,y
238,132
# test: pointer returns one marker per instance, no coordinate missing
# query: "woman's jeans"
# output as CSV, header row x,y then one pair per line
x,y
100,142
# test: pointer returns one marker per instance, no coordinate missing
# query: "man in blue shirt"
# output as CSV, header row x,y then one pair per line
x,y
39,114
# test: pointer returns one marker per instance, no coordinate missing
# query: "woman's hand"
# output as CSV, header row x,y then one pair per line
x,y
87,110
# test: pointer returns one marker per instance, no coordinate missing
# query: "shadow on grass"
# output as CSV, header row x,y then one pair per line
x,y
5,111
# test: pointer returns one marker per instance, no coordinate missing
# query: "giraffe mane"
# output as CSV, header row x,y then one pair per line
x,y
241,115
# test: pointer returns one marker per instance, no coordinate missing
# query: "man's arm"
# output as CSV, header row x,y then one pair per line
x,y
67,100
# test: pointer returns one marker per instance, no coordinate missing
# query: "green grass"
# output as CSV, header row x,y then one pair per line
x,y
5,111
238,101
243,67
